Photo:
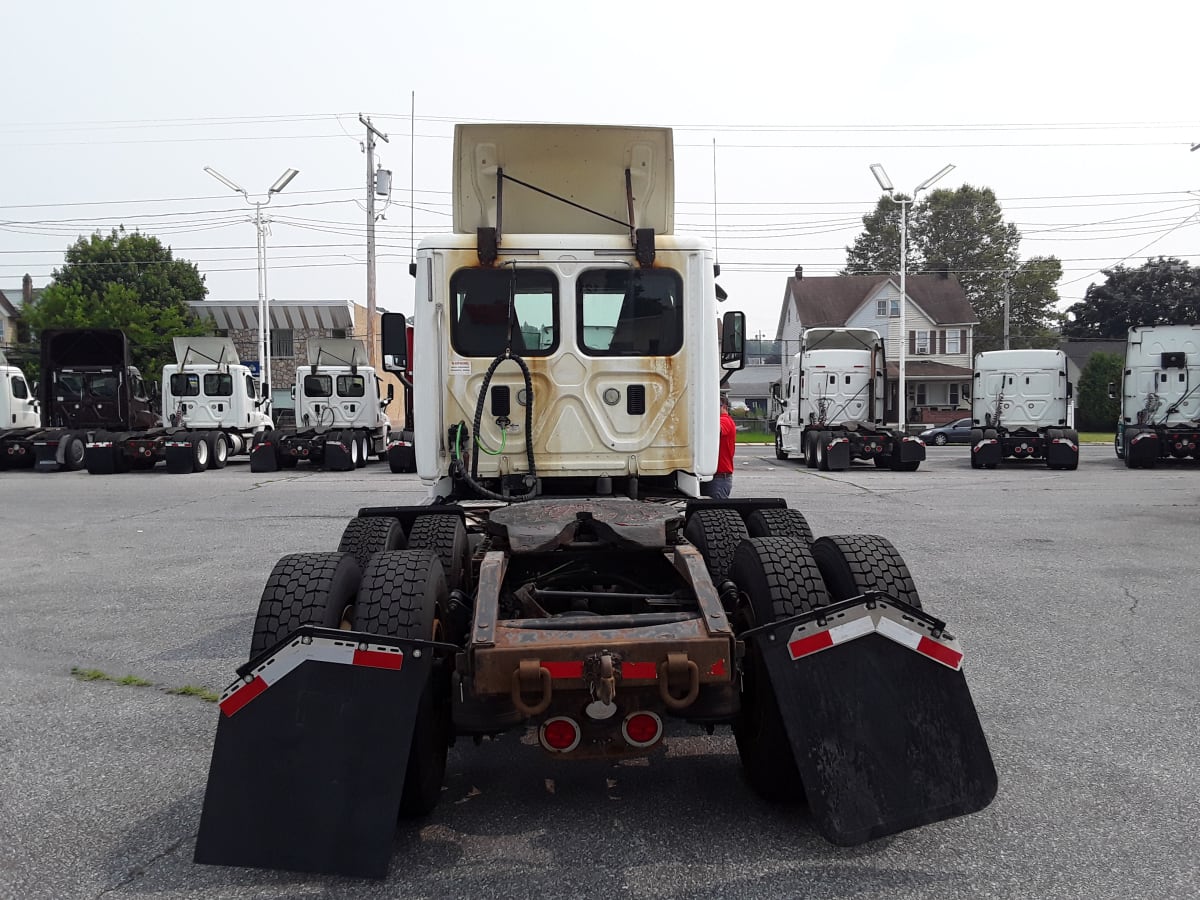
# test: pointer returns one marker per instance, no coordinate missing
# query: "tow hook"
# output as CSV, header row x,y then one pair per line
x,y
601,671
677,667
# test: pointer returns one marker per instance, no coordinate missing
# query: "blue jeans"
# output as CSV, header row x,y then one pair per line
x,y
719,488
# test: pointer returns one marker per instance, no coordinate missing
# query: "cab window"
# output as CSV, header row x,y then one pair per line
x,y
318,386
185,384
19,389
351,386
482,323
218,384
630,312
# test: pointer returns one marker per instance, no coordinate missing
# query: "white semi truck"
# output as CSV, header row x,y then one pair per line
x,y
340,419
566,360
1160,395
211,410
1021,409
832,404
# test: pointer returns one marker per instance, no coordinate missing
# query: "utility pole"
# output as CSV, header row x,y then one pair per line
x,y
372,133
1007,302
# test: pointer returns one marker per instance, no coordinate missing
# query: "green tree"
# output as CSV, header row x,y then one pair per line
x,y
126,281
963,233
1162,291
1093,410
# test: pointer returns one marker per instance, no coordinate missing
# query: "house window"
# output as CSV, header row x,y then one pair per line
x,y
881,309
954,395
1,331
281,343
895,307
922,342
337,333
954,341
922,397
220,332
966,392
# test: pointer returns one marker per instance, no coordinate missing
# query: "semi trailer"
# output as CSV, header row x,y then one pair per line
x,y
564,579
340,419
86,386
1160,396
832,404
211,410
1021,409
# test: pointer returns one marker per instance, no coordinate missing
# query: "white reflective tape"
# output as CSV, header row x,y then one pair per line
x,y
855,628
898,633
319,651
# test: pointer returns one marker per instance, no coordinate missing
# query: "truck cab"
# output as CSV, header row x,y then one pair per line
x,y
208,388
18,407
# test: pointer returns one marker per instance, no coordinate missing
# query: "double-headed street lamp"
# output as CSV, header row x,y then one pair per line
x,y
264,309
904,203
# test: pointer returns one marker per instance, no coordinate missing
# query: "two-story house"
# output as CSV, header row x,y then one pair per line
x,y
11,302
939,325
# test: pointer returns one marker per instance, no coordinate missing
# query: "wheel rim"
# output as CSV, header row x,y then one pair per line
x,y
222,448
202,454
939,439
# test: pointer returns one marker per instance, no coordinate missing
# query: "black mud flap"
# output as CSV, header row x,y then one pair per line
x,y
837,453
312,744
881,723
909,449
263,458
179,457
402,457
1062,452
988,452
337,455
45,456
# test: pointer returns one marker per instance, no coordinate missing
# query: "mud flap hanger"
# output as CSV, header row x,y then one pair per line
x,y
487,240
870,613
310,754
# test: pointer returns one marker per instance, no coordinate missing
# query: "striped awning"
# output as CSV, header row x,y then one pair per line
x,y
242,315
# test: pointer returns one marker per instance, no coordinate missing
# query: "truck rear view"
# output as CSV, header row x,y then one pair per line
x,y
1160,395
1021,407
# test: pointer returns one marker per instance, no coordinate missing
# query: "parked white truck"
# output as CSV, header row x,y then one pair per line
x,y
1160,395
1021,407
832,404
211,407
340,419
18,407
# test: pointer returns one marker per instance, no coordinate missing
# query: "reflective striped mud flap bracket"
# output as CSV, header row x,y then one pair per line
x,y
312,743
881,722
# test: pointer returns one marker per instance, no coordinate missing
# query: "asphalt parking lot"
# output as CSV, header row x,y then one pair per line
x,y
1073,594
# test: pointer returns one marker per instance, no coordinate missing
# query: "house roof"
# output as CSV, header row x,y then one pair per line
x,y
927,368
1080,351
830,301
6,306
238,315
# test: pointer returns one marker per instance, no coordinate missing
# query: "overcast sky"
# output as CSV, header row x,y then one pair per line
x,y
1079,116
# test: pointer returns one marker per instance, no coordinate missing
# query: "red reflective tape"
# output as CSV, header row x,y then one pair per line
x,y
718,668
810,644
639,670
242,696
940,652
378,659
564,669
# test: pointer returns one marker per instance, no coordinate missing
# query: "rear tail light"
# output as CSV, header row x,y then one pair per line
x,y
641,729
559,735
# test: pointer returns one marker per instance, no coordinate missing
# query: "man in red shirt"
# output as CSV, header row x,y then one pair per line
x,y
722,483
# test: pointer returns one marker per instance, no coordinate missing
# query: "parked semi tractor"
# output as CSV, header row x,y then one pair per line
x,y
340,419
564,579
1021,408
832,404
211,407
86,385
1160,395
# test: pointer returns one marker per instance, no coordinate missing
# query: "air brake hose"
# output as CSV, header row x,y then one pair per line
x,y
472,478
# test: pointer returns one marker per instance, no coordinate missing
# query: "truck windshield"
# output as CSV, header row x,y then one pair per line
x,y
630,312
318,386
218,384
351,386
480,311
185,384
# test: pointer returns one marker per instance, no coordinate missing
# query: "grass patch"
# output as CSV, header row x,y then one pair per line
x,y
755,437
1095,437
190,690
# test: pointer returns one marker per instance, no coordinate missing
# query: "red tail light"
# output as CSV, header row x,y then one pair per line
x,y
641,729
559,735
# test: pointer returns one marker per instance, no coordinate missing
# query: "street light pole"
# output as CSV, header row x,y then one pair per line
x,y
904,203
264,304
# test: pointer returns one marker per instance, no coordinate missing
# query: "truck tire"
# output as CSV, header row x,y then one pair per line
x,y
822,450
218,449
304,589
446,536
200,454
367,535
364,449
779,523
403,594
779,578
73,449
852,564
780,453
810,449
716,533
